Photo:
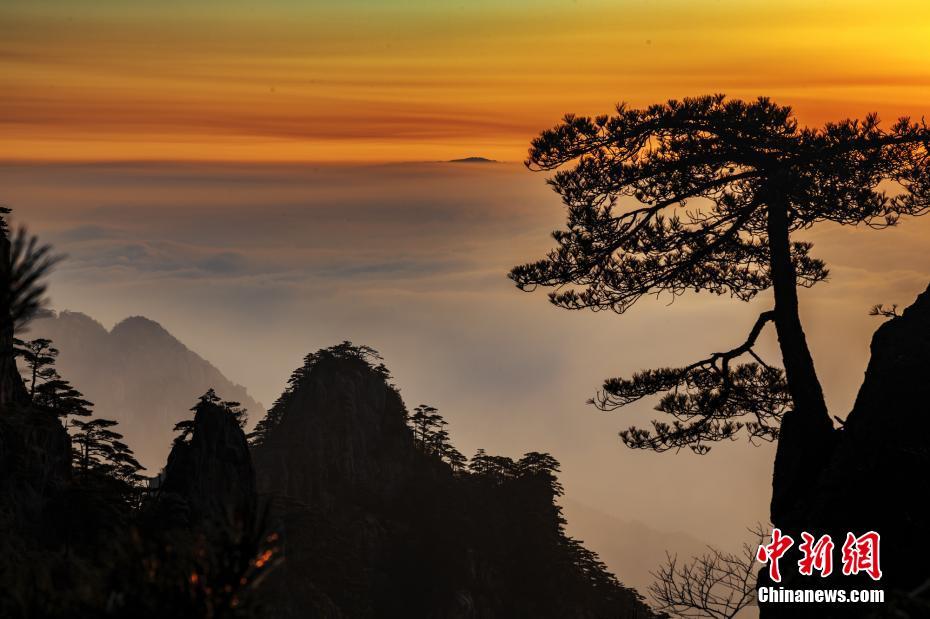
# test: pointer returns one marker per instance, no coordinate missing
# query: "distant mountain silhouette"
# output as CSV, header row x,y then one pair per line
x,y
138,374
473,160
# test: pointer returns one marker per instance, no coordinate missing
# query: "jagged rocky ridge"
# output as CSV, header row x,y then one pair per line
x,y
367,523
878,475
374,527
210,472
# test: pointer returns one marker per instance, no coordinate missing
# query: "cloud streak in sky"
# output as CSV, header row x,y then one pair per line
x,y
372,81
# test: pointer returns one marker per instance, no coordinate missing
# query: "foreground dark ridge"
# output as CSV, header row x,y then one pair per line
x,y
409,528
875,478
353,508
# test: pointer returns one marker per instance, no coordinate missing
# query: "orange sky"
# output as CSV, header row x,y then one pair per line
x,y
370,81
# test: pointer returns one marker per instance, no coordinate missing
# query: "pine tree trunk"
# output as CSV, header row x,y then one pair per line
x,y
805,439
803,383
32,386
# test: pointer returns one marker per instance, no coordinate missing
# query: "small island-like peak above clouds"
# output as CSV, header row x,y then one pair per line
x,y
473,160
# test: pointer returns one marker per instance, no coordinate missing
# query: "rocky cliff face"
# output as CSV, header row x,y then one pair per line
x,y
35,460
877,479
876,476
342,436
332,467
138,374
211,474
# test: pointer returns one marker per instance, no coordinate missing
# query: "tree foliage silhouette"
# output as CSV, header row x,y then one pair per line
x,y
757,178
27,265
431,437
99,448
24,264
59,395
39,356
46,387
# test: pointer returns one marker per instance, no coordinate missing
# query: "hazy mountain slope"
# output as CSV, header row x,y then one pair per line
x,y
137,373
628,547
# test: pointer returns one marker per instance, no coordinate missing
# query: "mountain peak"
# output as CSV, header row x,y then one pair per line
x,y
473,159
140,324
347,477
137,373
77,319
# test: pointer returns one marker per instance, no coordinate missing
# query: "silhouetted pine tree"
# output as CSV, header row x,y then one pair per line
x,y
498,468
45,385
39,357
627,181
425,423
431,437
186,426
541,465
99,449
59,395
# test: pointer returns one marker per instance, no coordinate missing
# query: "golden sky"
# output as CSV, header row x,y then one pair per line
x,y
379,81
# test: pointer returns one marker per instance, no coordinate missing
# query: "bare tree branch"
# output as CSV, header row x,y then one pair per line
x,y
887,312
716,584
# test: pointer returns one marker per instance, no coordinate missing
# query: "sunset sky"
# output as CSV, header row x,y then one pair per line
x,y
263,179
389,81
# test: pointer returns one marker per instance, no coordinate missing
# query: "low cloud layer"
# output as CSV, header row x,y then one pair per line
x,y
254,266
